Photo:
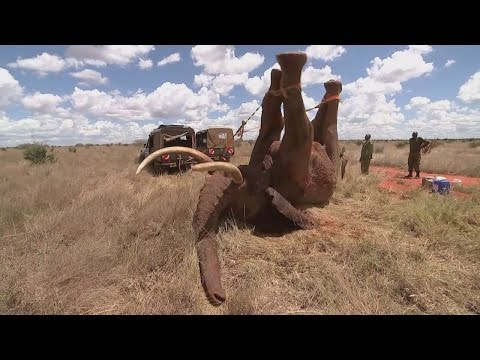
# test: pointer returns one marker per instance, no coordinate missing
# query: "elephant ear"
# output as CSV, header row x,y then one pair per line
x,y
299,218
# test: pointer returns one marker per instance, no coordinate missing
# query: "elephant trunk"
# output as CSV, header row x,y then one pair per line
x,y
214,198
210,270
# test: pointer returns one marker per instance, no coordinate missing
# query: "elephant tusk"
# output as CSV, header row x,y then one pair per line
x,y
173,149
230,169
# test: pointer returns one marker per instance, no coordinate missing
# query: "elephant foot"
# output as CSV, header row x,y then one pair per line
x,y
291,64
332,88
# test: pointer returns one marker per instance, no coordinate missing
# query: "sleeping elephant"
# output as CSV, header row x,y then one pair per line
x,y
281,175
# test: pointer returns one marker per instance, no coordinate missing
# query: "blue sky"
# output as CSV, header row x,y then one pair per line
x,y
117,93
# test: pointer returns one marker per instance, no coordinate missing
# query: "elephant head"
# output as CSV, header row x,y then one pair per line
x,y
300,169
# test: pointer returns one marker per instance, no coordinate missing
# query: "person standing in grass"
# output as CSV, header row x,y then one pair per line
x,y
366,154
344,162
414,157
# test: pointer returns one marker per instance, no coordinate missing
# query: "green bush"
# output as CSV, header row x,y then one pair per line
x,y
359,142
4,149
474,144
79,145
72,149
37,154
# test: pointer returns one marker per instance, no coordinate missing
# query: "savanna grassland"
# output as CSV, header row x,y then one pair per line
x,y
84,235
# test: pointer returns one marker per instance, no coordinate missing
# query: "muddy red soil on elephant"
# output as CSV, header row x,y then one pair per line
x,y
394,180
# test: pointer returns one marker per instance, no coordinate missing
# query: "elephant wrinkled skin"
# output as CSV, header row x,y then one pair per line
x,y
281,175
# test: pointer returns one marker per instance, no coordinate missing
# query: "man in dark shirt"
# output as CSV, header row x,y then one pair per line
x,y
416,144
366,154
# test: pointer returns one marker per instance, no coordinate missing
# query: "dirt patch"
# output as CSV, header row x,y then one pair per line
x,y
394,181
332,225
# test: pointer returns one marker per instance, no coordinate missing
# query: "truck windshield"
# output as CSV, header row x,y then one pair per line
x,y
185,140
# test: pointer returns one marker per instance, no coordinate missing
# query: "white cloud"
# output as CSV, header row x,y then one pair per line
x,y
372,113
96,116
417,101
172,58
258,85
71,62
42,103
89,77
111,132
309,103
203,79
10,89
385,76
444,118
101,55
222,70
42,64
449,63
169,101
311,75
401,66
223,84
145,64
420,49
470,91
221,59
177,100
324,52
370,109
68,131
366,109
367,85
110,105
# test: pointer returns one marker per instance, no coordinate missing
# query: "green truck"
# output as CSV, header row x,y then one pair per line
x,y
167,136
217,143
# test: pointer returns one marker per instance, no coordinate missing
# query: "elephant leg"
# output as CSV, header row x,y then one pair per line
x,y
317,123
325,122
299,218
271,124
294,153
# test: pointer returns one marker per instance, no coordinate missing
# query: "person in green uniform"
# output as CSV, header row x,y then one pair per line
x,y
366,155
344,162
416,144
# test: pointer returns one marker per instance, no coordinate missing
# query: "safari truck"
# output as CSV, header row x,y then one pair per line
x,y
217,143
167,136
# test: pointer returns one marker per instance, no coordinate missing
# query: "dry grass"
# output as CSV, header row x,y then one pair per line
x,y
86,236
455,157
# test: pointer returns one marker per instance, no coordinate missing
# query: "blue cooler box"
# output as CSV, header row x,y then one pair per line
x,y
441,186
